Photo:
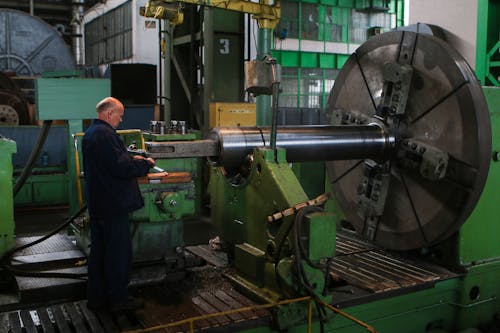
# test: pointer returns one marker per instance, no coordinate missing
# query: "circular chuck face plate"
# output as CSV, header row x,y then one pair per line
x,y
428,97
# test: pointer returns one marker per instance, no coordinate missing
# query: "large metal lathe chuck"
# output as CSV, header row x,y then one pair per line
x,y
434,178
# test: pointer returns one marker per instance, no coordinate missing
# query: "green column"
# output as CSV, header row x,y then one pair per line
x,y
482,40
263,113
208,76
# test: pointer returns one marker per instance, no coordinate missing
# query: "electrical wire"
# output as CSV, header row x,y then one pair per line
x,y
44,132
7,256
300,253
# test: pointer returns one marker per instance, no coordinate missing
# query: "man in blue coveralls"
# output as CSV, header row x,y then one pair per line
x,y
112,193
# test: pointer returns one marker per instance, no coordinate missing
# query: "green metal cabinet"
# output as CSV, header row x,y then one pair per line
x,y
7,148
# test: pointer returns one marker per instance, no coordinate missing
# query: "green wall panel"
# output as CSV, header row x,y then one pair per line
x,y
346,3
69,98
341,60
290,59
329,2
327,60
309,60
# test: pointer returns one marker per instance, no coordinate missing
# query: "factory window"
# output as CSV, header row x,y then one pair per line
x,y
108,38
363,24
335,24
319,22
310,21
290,21
304,94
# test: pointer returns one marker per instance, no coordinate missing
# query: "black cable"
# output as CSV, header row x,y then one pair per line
x,y
299,219
279,279
7,256
33,156
299,254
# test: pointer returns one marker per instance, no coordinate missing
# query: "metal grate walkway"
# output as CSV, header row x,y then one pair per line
x,y
376,270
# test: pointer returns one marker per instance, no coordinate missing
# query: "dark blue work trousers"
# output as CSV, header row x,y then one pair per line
x,y
110,260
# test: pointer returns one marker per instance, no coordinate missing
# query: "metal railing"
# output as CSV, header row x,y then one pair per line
x,y
309,299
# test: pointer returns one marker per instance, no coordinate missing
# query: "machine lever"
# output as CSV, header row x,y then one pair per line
x,y
143,153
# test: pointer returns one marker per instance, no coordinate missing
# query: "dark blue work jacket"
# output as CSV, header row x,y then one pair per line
x,y
110,172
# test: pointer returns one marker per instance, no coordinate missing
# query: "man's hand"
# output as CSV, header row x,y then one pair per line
x,y
149,159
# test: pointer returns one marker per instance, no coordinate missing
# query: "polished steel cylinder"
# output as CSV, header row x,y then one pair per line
x,y
305,143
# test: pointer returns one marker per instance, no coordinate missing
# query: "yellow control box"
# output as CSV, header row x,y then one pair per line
x,y
232,114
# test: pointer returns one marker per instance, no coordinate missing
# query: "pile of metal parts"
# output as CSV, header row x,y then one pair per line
x,y
161,127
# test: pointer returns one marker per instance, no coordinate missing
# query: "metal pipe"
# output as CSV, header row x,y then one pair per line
x,y
167,71
77,31
274,110
263,102
305,143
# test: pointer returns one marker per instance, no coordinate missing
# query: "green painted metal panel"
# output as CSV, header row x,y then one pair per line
x,y
327,60
482,40
59,74
238,210
341,60
69,98
191,165
227,21
7,148
478,236
329,2
309,60
48,189
25,194
51,189
477,295
488,34
346,3
228,52
311,176
153,241
321,224
290,59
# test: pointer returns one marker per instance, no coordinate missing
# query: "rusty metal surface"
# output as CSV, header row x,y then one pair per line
x,y
205,292
71,317
376,270
216,258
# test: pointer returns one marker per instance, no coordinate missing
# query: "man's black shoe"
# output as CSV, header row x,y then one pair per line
x,y
130,304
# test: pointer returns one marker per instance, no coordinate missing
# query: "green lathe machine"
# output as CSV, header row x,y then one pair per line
x,y
409,236
158,228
